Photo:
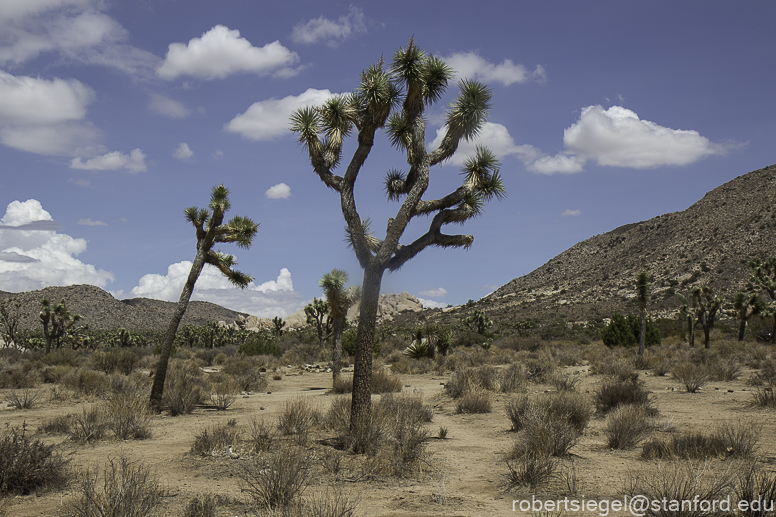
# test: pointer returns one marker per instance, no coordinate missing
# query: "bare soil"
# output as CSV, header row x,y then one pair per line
x,y
464,478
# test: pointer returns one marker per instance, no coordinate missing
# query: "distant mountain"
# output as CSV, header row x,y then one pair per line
x,y
709,243
102,311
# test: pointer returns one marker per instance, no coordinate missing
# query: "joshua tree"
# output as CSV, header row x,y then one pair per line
x,y
317,315
706,308
57,322
478,322
746,305
642,294
764,277
339,300
10,318
397,98
277,326
686,312
427,340
210,228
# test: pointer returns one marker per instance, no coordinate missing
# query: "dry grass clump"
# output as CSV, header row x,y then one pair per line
x,y
616,393
620,369
737,440
276,480
473,402
28,465
89,425
564,382
215,439
470,379
530,470
545,434
126,488
752,484
382,382
23,375
184,388
262,435
115,360
763,396
679,481
513,378
572,407
86,382
692,376
24,398
246,372
202,506
628,425
517,408
223,394
128,415
297,418
59,424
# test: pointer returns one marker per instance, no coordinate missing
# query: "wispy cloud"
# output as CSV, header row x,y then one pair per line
x,y
470,65
183,152
132,162
437,292
279,191
89,222
168,107
322,30
571,213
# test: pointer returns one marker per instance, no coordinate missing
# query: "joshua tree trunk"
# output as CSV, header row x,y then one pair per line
x,y
643,330
706,337
164,357
336,359
361,404
741,329
690,331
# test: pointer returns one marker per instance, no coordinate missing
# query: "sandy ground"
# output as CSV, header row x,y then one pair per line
x,y
466,474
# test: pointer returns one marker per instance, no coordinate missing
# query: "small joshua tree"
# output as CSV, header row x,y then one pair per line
x,y
478,322
746,305
10,318
339,301
57,322
686,312
277,326
397,99
707,309
317,315
764,277
210,229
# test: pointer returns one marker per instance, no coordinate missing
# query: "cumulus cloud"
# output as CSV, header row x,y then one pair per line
x,y
132,162
471,65
279,191
168,107
495,137
89,222
221,52
33,255
266,120
431,304
183,152
271,298
571,213
617,137
329,32
434,293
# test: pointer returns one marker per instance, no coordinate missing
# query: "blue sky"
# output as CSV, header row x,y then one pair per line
x,y
117,115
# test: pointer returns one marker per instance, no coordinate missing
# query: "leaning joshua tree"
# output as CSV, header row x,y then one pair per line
x,y
396,99
211,230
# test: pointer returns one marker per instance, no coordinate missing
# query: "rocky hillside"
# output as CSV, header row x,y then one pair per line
x,y
709,243
102,311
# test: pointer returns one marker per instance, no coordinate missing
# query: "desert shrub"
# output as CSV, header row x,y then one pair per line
x,y
545,434
513,378
202,506
573,407
564,382
519,343
382,382
222,395
23,398
615,393
618,369
530,470
675,481
54,374
626,426
215,439
262,435
725,370
19,377
246,373
764,397
297,417
624,331
730,439
539,368
88,426
276,480
121,360
183,388
661,367
766,376
59,424
28,465
327,504
753,484
410,407
128,415
469,379
126,488
472,402
405,419
63,357
86,382
691,376
260,343
517,408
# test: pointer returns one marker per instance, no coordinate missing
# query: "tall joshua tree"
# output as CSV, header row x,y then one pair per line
x,y
211,230
707,309
642,294
339,300
57,322
764,277
396,99
318,315
686,311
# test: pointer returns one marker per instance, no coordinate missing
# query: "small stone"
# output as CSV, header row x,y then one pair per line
x,y
261,408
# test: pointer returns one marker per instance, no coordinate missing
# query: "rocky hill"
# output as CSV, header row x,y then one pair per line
x,y
711,243
102,311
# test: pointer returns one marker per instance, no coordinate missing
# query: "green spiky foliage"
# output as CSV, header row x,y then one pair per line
x,y
339,300
746,305
317,314
58,323
10,318
479,322
763,278
642,295
394,98
211,230
428,340
707,309
277,326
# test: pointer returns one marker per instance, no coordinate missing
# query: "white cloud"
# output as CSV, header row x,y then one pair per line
x,y
571,213
471,65
66,139
168,107
221,52
133,162
495,137
561,163
29,101
617,137
431,304
434,293
265,120
217,154
329,32
183,152
279,191
33,255
271,298
89,222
